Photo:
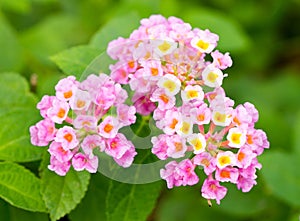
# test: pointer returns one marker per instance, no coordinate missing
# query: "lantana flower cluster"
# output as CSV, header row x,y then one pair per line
x,y
79,119
176,75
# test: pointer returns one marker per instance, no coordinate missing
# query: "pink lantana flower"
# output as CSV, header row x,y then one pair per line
x,y
58,112
212,190
164,100
45,104
109,127
67,137
61,154
90,142
126,114
220,60
65,88
81,162
61,168
42,133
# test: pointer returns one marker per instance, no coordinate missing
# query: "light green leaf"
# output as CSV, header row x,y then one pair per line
x,y
232,37
51,35
20,187
62,193
117,27
10,213
17,113
76,60
282,175
11,59
93,202
21,6
134,202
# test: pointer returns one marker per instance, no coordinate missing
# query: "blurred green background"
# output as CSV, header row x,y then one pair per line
x,y
263,38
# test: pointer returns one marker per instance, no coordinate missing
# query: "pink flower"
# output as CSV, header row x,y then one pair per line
x,y
191,93
204,41
220,60
121,149
225,159
152,69
81,162
127,158
59,111
65,88
143,104
164,100
61,168
244,156
257,140
126,114
56,150
181,174
201,115
105,98
109,127
168,124
80,100
85,121
67,137
42,133
205,160
119,74
90,142
211,189
160,146
176,146
227,174
117,146
45,104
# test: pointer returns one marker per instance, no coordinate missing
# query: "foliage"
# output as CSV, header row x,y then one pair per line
x,y
42,40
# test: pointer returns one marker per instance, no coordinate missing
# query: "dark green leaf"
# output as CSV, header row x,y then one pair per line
x,y
282,175
131,202
141,126
62,193
17,113
10,213
20,187
93,202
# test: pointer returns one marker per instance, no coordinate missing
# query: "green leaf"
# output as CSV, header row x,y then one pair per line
x,y
120,26
11,59
297,135
76,60
21,6
20,187
244,204
232,37
62,193
17,113
10,213
282,176
141,126
127,202
186,203
93,202
51,35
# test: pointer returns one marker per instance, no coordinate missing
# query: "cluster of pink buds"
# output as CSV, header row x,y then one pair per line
x,y
176,74
81,117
